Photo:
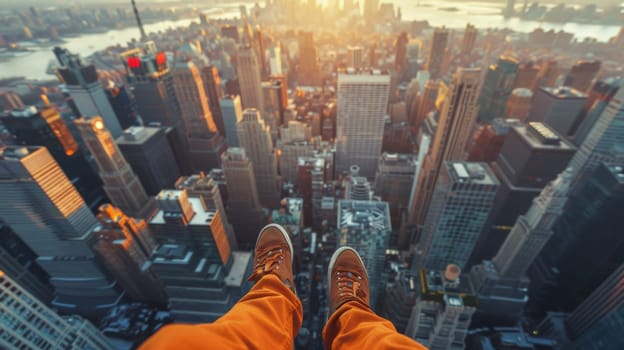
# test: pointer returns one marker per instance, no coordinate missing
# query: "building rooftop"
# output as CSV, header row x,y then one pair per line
x,y
471,172
522,92
563,92
364,214
541,136
238,270
289,213
436,286
201,215
618,173
136,135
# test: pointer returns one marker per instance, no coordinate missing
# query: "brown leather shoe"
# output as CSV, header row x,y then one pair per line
x,y
347,278
273,254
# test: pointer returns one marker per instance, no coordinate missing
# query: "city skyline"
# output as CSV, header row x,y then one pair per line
x,y
467,165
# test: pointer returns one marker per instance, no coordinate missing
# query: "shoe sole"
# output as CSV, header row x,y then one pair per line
x,y
333,259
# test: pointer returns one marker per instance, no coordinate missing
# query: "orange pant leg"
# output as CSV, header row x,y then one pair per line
x,y
268,317
355,326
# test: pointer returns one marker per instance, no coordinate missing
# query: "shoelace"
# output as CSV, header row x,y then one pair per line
x,y
266,262
349,285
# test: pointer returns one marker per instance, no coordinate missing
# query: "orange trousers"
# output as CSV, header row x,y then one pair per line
x,y
269,317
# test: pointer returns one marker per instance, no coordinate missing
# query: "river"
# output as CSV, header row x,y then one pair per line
x,y
482,14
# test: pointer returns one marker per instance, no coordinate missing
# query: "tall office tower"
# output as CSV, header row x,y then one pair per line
x,y
311,179
357,187
230,31
232,114
598,98
205,187
439,41
243,205
549,74
603,142
249,78
355,56
519,104
400,52
371,9
275,60
43,208
202,276
393,182
272,106
461,204
280,85
426,103
124,246
123,104
85,89
308,71
295,142
214,94
469,40
45,127
557,107
205,143
457,118
362,103
443,310
365,226
30,324
586,245
156,99
19,262
149,153
531,156
255,137
582,74
502,283
527,75
597,323
497,86
120,183
489,140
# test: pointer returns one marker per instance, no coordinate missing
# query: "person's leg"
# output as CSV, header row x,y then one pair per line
x,y
268,317
352,324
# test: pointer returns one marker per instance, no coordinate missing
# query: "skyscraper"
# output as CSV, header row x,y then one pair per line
x,y
365,226
205,143
214,93
355,56
460,206
43,208
437,52
205,187
124,246
598,99
469,40
255,137
452,134
30,324
202,276
120,183
308,71
149,153
232,112
393,182
44,127
156,99
441,315
426,104
293,144
558,107
249,78
85,89
243,205
519,104
362,104
497,86
582,74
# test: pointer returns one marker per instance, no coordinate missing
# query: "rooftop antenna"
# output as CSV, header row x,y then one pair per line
x,y
139,23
